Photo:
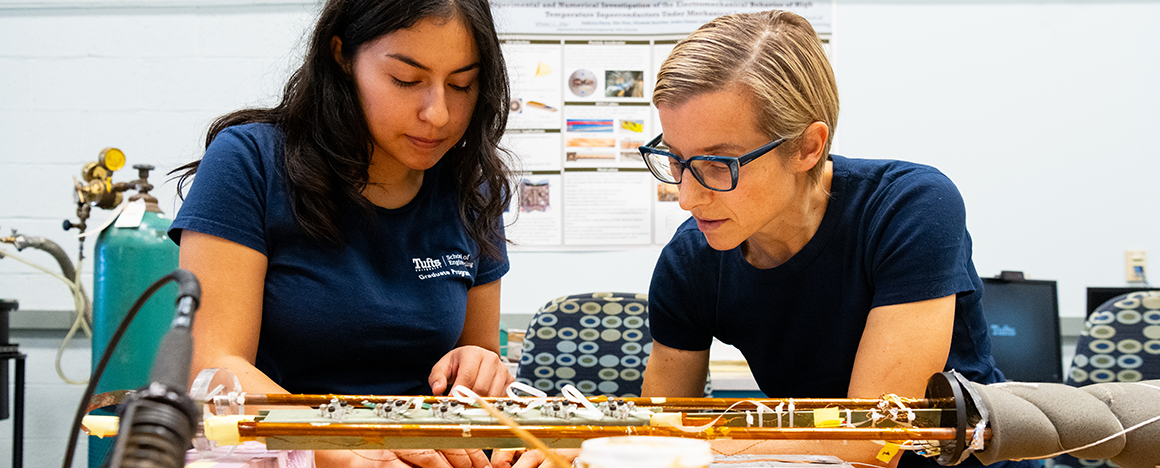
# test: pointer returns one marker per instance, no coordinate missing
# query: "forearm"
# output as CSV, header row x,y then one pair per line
x,y
251,379
482,342
481,324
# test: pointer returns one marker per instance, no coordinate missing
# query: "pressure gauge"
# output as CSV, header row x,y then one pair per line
x,y
112,158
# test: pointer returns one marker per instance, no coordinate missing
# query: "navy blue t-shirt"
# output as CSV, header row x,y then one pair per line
x,y
368,317
893,232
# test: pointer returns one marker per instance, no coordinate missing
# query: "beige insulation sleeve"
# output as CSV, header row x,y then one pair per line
x,y
1116,421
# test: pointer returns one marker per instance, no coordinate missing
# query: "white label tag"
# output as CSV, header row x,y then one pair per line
x,y
131,217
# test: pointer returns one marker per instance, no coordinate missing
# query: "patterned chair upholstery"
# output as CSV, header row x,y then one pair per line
x,y
597,342
1120,342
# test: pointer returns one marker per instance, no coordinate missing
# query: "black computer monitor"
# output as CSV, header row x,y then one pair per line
x,y
1024,320
1099,295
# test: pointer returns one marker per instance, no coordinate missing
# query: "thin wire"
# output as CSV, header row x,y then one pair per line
x,y
80,304
80,322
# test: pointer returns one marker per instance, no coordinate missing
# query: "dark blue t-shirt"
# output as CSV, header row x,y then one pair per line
x,y
893,232
368,317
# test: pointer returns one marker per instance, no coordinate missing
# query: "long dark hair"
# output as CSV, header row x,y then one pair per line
x,y
328,142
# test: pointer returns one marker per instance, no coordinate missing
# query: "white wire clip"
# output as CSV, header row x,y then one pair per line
x,y
790,412
574,395
537,400
464,395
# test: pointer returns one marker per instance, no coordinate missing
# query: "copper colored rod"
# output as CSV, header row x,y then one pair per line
x,y
676,404
264,429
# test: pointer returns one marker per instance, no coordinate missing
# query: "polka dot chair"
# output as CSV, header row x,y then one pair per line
x,y
1120,342
597,342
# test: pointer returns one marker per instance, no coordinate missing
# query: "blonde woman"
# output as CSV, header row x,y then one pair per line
x,y
835,277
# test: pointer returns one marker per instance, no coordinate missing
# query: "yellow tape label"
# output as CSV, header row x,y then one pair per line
x,y
888,452
827,417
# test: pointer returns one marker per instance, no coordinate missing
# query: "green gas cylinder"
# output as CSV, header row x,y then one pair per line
x,y
127,261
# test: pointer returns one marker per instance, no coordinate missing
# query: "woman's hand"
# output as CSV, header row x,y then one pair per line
x,y
473,367
400,459
529,458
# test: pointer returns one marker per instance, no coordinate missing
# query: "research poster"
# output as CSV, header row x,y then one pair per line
x,y
582,75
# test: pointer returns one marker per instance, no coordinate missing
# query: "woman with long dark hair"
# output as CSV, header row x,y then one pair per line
x,y
349,240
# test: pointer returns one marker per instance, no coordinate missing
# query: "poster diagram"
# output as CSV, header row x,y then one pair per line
x,y
579,111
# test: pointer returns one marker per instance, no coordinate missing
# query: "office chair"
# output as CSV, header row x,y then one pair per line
x,y
597,342
1120,342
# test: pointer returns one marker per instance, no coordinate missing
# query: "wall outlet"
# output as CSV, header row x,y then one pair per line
x,y
1135,262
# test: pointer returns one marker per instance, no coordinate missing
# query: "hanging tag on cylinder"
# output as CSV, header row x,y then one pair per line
x,y
132,216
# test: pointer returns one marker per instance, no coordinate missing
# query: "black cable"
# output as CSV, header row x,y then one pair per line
x,y
185,288
159,420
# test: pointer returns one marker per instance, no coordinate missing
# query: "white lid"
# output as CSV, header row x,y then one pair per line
x,y
645,452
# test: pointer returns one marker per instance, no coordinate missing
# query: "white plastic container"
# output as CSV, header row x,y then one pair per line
x,y
644,452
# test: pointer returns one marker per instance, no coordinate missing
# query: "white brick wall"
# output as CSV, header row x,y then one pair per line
x,y
1042,113
148,80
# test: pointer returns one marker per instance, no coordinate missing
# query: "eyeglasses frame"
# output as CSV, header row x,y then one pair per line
x,y
733,163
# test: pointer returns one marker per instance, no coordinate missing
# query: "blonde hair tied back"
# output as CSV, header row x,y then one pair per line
x,y
775,55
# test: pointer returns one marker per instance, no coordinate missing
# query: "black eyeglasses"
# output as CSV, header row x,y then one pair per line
x,y
717,173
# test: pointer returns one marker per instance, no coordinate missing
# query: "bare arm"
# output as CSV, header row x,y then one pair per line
x,y
481,327
674,372
475,363
902,346
227,325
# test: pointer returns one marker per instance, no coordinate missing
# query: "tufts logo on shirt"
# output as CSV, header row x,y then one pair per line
x,y
427,264
445,265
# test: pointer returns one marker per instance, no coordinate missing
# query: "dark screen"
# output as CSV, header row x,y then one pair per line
x,y
1024,320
